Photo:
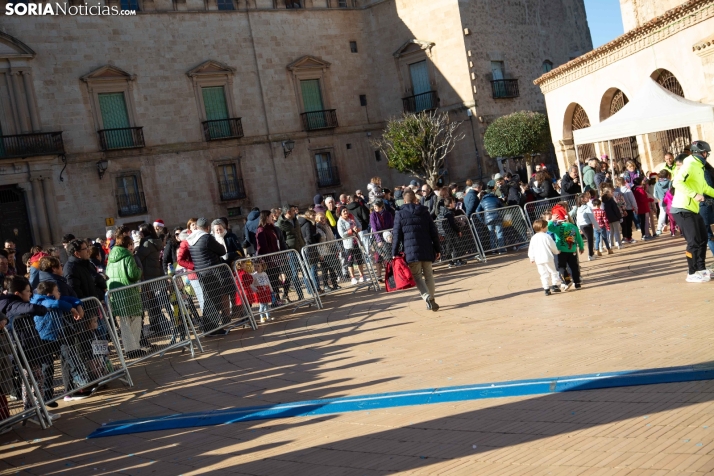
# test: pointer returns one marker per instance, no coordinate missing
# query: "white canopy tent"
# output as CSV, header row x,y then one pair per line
x,y
652,109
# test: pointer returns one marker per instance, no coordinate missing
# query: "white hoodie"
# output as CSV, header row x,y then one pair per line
x,y
542,249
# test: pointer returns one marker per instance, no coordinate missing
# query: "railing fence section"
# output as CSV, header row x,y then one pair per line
x,y
16,381
150,319
211,301
501,228
282,282
340,264
534,210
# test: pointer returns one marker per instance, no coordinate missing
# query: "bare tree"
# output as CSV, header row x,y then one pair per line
x,y
417,144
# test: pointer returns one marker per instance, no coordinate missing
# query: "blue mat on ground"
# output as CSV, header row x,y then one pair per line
x,y
427,396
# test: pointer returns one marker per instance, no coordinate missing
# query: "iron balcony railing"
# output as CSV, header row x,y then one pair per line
x,y
327,176
31,145
231,189
314,120
420,102
223,129
505,88
122,138
131,204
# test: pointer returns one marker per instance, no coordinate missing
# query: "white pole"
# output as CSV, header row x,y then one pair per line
x,y
580,168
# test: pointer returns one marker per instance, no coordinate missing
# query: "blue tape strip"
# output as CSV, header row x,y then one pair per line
x,y
516,388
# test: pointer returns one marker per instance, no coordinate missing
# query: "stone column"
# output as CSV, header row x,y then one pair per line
x,y
31,212
31,101
13,105
41,212
47,191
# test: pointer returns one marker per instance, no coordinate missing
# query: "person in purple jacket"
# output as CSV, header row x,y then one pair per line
x,y
380,220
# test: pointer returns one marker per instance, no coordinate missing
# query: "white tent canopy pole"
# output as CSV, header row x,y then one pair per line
x,y
652,109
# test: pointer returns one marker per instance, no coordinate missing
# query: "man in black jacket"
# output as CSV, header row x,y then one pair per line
x,y
205,252
570,183
429,200
416,231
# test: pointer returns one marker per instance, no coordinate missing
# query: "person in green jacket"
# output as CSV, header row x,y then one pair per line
x,y
568,241
126,303
690,187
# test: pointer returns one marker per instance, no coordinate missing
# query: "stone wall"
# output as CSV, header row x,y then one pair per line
x,y
636,13
177,166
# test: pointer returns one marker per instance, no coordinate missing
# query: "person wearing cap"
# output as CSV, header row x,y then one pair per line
x,y
416,232
160,228
319,204
691,188
490,204
205,252
251,227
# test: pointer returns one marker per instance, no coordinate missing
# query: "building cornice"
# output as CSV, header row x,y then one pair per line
x,y
658,29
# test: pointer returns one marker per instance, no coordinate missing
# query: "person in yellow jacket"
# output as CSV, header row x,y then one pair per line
x,y
690,187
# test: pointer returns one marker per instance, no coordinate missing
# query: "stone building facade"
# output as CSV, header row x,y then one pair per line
x,y
670,42
148,106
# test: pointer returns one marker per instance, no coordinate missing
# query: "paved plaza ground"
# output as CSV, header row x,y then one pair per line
x,y
635,311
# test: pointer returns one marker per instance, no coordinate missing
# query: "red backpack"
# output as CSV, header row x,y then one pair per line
x,y
397,275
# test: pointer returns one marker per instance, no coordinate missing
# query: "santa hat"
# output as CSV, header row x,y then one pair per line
x,y
159,223
559,213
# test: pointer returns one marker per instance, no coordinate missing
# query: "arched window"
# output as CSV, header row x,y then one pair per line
x,y
618,102
547,66
580,120
672,140
669,82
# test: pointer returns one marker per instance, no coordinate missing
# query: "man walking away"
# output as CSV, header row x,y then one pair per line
x,y
416,232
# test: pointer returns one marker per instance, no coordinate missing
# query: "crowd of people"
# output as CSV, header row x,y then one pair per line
x,y
414,220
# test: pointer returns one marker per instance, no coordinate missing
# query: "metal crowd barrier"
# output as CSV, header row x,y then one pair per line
x,y
221,304
150,319
458,241
501,228
534,210
16,381
288,278
333,267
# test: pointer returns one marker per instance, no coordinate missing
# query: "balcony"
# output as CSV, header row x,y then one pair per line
x,y
327,177
231,189
315,120
123,138
223,129
131,204
420,102
31,145
505,88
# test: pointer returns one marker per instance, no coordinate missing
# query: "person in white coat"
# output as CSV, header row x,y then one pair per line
x,y
542,251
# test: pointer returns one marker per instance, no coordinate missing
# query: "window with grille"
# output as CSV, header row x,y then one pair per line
x,y
130,195
225,5
229,182
292,4
132,5
327,174
547,66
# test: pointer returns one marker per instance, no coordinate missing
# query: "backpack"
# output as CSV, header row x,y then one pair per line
x,y
397,275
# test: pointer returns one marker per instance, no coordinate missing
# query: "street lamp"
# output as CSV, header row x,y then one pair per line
x,y
102,167
288,146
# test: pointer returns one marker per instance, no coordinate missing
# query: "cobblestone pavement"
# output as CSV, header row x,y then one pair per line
x,y
634,312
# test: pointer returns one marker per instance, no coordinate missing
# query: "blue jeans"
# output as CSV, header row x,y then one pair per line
x,y
604,234
496,233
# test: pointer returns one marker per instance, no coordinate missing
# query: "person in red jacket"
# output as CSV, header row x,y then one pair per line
x,y
643,207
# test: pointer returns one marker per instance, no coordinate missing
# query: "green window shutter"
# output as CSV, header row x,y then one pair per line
x,y
214,101
420,85
312,102
115,116
311,97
